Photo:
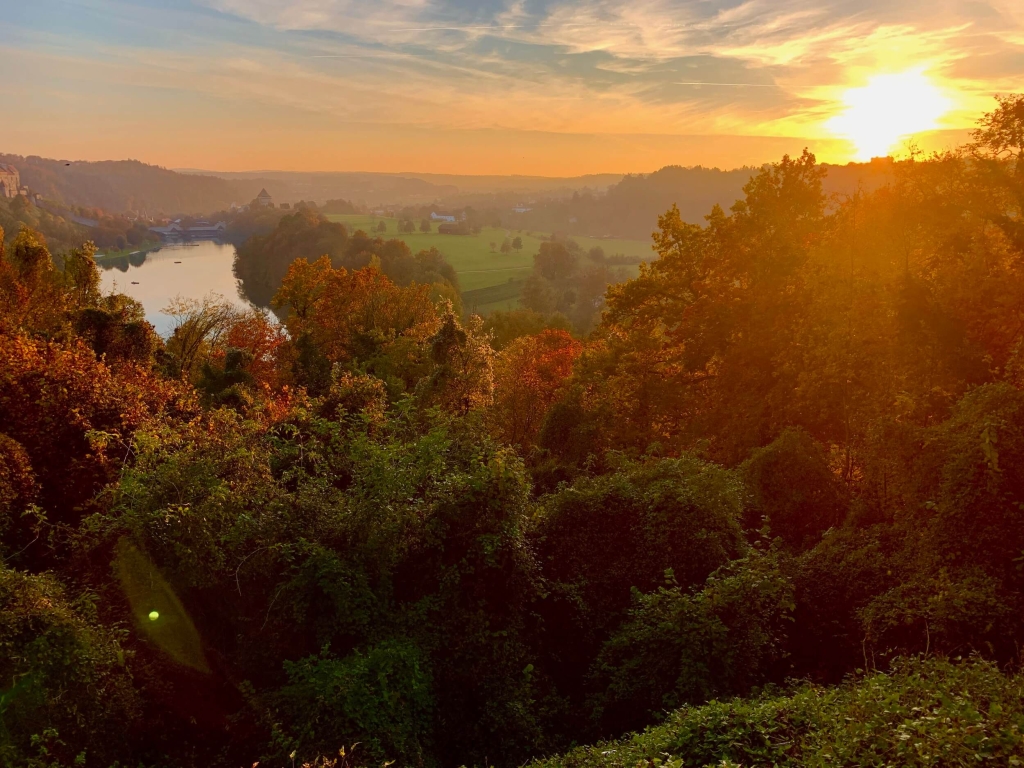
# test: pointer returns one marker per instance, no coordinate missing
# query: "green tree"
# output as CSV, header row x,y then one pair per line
x,y
679,648
794,490
462,378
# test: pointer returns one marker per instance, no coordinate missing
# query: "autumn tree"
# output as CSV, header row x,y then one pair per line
x,y
528,375
32,296
688,342
538,295
263,261
199,327
117,330
462,378
264,339
81,275
73,416
999,148
554,261
340,317
505,326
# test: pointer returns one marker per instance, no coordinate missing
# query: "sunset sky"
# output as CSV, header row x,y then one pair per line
x,y
545,87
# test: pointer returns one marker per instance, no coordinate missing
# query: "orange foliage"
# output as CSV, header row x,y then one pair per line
x,y
277,405
263,339
18,487
528,376
74,416
351,315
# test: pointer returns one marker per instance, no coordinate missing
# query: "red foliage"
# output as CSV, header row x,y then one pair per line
x,y
74,416
528,376
263,339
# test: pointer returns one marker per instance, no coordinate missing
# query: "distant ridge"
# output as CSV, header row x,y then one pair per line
x,y
118,186
596,204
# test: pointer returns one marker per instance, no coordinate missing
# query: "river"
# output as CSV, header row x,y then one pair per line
x,y
189,270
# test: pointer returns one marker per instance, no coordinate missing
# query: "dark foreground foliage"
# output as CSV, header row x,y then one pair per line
x,y
925,713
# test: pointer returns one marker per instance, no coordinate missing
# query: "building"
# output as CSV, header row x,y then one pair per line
x,y
264,200
441,217
10,181
204,230
201,230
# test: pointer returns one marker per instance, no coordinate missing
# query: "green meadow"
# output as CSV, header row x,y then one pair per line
x,y
477,265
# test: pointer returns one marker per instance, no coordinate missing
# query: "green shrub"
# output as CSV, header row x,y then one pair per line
x,y
381,699
679,647
791,485
65,692
928,712
603,536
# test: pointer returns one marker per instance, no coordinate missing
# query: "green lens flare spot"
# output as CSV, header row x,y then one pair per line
x,y
154,615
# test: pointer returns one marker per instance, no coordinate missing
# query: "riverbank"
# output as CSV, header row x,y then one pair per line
x,y
134,250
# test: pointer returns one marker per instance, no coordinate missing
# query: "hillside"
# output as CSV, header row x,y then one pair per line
x,y
388,189
129,185
603,205
118,186
365,188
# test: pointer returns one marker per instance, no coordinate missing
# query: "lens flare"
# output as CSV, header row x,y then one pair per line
x,y
889,109
159,614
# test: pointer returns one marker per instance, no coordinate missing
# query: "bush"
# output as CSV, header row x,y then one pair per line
x,y
791,484
926,713
381,699
679,648
67,694
602,537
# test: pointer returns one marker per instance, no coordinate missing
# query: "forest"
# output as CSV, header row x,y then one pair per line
x,y
767,510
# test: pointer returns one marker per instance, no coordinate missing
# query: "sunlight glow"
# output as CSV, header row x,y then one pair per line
x,y
890,108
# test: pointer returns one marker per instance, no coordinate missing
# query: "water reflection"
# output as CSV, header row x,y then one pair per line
x,y
122,263
191,270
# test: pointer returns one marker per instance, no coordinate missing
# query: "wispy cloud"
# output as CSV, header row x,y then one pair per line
x,y
671,67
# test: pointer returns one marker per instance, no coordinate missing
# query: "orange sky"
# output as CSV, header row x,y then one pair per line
x,y
498,86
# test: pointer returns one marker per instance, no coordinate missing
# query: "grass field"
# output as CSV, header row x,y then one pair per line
x,y
114,253
471,255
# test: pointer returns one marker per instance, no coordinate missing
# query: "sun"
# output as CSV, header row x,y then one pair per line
x,y
890,108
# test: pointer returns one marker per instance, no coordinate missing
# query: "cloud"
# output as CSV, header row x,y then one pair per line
x,y
808,47
756,67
